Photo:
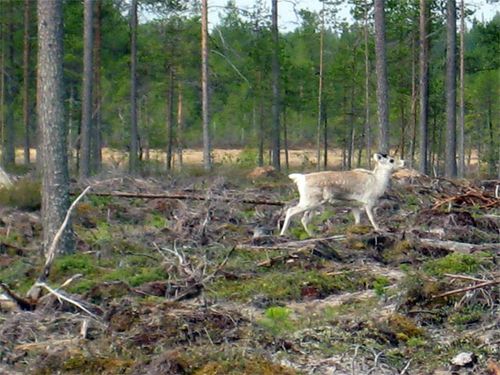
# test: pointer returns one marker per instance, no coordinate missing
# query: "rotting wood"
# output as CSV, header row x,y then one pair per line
x,y
182,196
459,247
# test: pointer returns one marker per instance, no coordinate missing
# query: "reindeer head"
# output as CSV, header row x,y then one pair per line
x,y
384,161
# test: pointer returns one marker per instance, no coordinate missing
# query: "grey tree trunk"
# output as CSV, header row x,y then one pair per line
x,y
50,108
180,124
170,117
275,134
285,139
8,152
461,116
207,161
86,129
96,134
320,92
450,168
367,92
381,71
26,81
134,141
423,165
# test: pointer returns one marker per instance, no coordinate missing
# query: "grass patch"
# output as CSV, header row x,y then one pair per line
x,y
24,194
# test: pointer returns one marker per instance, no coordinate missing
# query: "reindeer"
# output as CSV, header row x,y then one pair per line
x,y
358,189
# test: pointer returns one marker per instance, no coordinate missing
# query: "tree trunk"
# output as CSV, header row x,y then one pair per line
x,y
275,135
260,160
461,121
285,140
170,117
381,70
207,162
26,81
180,123
8,152
320,92
325,139
450,169
134,140
367,92
413,113
86,130
96,133
424,86
50,108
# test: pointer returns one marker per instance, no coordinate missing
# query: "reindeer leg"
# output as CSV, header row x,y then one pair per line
x,y
357,215
306,219
292,211
370,216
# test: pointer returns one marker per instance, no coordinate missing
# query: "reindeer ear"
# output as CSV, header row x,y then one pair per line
x,y
401,163
376,157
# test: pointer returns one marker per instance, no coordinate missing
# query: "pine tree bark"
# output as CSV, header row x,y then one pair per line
x,y
275,135
50,110
461,116
86,129
96,137
368,136
381,71
134,140
450,169
207,161
170,116
8,152
424,87
180,123
26,81
320,92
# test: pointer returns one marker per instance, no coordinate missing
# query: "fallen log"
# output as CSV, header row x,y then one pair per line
x,y
459,247
183,196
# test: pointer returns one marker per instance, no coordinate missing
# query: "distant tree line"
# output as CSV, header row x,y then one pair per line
x,y
132,80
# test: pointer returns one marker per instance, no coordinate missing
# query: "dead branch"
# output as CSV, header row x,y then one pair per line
x,y
464,277
459,247
472,287
23,303
183,196
291,244
61,296
35,290
470,197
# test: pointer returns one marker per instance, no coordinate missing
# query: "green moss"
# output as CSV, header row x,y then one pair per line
x,y
454,263
69,265
279,286
24,194
136,276
18,275
81,364
466,315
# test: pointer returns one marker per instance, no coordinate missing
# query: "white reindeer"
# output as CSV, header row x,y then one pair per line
x,y
358,189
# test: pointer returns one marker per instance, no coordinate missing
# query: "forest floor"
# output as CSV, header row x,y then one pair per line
x,y
186,275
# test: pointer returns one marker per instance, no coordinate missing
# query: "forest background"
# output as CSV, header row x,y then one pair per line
x,y
169,100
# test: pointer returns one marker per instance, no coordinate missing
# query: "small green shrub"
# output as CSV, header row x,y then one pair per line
x,y
24,194
277,320
379,285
